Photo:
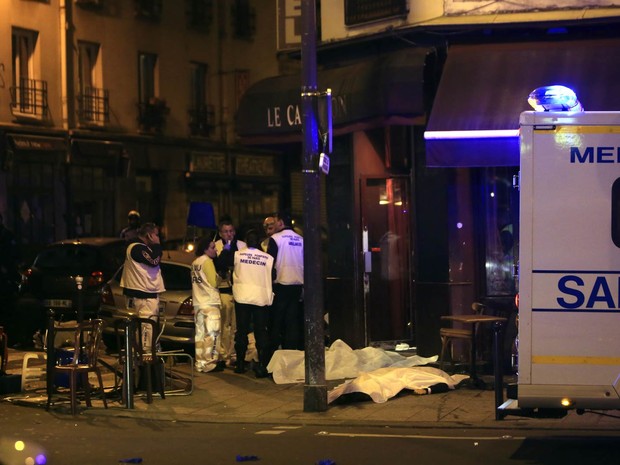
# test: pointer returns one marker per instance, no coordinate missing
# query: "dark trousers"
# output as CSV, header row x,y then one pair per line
x,y
286,318
252,317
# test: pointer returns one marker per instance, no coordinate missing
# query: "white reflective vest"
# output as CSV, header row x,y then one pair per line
x,y
139,276
252,277
289,262
204,291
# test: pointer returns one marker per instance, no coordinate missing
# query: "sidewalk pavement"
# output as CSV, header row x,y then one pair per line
x,y
226,397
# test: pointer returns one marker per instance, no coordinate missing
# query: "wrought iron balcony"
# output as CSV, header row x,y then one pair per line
x,y
152,115
94,106
201,120
29,99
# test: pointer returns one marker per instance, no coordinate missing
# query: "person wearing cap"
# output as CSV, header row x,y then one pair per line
x,y
130,233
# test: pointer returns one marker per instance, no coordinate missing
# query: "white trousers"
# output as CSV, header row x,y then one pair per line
x,y
208,330
229,327
145,308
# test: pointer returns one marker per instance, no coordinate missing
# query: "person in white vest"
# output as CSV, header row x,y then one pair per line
x,y
226,246
141,279
286,322
252,289
206,298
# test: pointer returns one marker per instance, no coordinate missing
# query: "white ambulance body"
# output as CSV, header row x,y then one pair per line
x,y
569,260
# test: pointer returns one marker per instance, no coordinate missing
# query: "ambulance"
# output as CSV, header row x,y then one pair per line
x,y
569,255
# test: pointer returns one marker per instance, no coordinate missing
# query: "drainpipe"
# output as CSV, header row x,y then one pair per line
x,y
221,34
67,30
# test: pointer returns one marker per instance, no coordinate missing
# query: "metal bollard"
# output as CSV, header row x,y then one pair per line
x,y
80,298
50,351
128,378
498,367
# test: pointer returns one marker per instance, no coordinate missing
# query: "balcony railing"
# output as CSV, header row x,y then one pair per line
x,y
94,106
201,120
152,115
29,99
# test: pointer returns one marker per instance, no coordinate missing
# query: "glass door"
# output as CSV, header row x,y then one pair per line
x,y
386,243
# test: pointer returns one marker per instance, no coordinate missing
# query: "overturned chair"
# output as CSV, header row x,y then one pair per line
x,y
84,360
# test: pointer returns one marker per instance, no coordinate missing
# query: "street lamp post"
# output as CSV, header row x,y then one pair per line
x,y
315,389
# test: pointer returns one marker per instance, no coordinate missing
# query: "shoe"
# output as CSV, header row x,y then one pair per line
x,y
260,371
219,366
240,367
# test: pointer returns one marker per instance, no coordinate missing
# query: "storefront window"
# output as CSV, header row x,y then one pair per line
x,y
501,213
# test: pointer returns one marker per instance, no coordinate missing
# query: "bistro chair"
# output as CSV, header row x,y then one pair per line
x,y
86,345
450,334
146,365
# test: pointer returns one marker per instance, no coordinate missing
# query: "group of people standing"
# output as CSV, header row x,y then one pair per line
x,y
238,288
260,286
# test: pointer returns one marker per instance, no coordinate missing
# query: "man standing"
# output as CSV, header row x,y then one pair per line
x,y
130,233
226,246
141,279
206,298
286,322
252,290
269,226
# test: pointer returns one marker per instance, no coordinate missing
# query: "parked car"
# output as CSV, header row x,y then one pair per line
x,y
50,282
175,304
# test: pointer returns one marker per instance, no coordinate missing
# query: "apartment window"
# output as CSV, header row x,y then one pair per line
x,y
148,9
147,75
199,15
93,99
201,114
28,94
366,11
243,19
152,108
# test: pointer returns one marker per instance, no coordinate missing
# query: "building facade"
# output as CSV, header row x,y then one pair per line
x,y
111,106
421,212
107,106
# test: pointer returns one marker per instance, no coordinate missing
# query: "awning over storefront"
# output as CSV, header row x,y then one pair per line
x,y
96,152
385,90
484,88
29,142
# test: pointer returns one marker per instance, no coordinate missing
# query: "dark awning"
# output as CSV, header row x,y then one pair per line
x,y
96,152
484,88
385,90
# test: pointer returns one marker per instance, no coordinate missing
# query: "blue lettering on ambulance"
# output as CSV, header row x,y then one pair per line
x,y
600,292
595,155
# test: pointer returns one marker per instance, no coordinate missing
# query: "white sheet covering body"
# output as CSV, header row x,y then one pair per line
x,y
379,373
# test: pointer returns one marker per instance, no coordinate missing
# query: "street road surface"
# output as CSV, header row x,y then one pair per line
x,y
52,439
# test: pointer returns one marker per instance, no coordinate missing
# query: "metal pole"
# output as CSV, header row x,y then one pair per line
x,y
128,378
315,389
498,367
79,280
51,352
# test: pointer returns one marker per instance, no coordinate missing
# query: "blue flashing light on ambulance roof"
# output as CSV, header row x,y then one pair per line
x,y
554,98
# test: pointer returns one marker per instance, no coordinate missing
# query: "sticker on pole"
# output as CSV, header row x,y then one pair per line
x,y
324,163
